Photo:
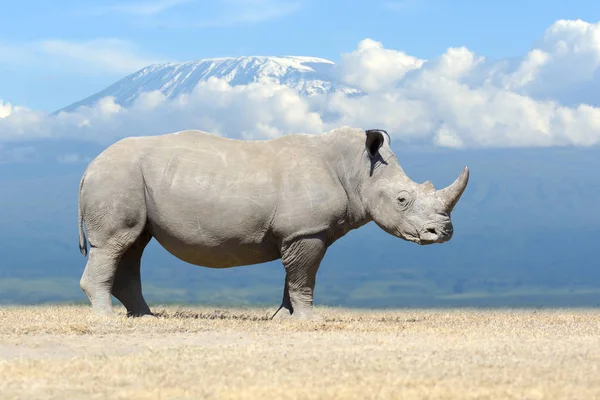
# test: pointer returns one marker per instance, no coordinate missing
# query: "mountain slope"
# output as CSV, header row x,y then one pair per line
x,y
307,75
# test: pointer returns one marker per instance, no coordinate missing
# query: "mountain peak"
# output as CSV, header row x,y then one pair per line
x,y
308,75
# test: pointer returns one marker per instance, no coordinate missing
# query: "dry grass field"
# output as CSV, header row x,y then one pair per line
x,y
63,352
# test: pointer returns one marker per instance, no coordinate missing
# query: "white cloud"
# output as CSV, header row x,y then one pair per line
x,y
5,109
106,55
144,8
198,14
457,100
244,12
373,68
259,110
567,63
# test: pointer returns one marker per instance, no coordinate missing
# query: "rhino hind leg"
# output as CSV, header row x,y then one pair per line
x,y
127,286
301,260
116,236
100,273
97,279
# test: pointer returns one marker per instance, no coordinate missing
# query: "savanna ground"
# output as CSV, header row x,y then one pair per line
x,y
64,352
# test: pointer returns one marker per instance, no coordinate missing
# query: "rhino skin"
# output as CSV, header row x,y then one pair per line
x,y
219,203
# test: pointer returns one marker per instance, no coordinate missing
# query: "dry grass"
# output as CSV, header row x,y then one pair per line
x,y
65,353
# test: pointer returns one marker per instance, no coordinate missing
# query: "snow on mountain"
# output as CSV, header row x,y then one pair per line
x,y
307,75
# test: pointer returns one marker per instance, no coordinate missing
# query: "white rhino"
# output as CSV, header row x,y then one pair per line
x,y
220,203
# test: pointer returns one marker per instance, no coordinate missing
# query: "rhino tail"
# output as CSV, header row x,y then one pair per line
x,y
82,239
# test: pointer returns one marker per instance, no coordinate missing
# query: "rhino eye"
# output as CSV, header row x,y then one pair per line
x,y
404,199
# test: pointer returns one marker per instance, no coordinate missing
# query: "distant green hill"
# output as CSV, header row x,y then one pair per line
x,y
526,234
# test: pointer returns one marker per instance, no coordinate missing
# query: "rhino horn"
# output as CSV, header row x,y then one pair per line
x,y
428,186
451,194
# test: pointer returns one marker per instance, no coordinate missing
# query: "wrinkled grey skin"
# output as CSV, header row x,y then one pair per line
x,y
219,203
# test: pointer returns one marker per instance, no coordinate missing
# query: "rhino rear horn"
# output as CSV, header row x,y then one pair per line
x,y
451,194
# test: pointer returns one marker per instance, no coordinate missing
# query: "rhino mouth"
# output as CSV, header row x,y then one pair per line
x,y
435,234
412,238
428,235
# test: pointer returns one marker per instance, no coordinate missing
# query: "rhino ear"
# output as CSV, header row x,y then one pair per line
x,y
374,141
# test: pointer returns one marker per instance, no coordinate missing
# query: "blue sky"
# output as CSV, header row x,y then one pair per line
x,y
47,48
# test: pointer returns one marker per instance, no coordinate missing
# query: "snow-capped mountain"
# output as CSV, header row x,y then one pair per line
x,y
307,75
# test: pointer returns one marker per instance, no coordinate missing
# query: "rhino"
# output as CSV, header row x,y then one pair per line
x,y
218,202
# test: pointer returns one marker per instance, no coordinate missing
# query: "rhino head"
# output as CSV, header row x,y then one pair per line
x,y
416,212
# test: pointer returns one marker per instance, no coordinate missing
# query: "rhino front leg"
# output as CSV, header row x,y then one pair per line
x,y
301,260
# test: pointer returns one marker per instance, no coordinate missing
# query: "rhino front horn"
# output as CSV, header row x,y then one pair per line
x,y
452,193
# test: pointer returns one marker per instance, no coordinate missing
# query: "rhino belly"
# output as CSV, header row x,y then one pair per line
x,y
213,252
211,233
